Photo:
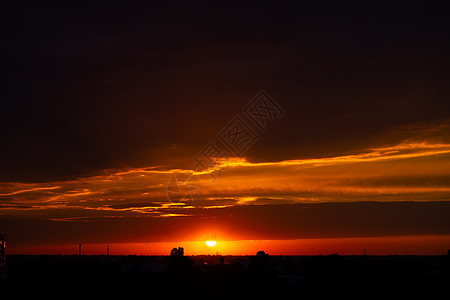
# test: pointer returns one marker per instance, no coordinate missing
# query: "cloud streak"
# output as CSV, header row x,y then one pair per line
x,y
264,222
407,171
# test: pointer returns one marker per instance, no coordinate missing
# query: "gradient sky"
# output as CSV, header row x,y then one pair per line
x,y
102,105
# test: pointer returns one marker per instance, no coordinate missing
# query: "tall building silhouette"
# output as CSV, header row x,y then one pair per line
x,y
2,256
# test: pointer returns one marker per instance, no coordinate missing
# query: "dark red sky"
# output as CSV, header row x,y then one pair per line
x,y
102,104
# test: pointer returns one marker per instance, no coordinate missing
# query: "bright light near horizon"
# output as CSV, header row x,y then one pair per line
x,y
210,243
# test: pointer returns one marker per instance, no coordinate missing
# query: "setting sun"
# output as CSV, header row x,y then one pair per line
x,y
210,243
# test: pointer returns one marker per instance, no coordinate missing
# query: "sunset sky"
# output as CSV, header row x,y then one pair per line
x,y
105,107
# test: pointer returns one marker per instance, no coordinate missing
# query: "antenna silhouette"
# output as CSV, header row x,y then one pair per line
x,y
79,249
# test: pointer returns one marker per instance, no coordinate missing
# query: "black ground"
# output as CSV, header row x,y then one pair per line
x,y
225,276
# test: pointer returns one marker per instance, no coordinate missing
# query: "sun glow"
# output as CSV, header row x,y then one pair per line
x,y
210,243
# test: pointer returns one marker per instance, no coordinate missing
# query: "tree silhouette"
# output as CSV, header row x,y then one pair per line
x,y
177,252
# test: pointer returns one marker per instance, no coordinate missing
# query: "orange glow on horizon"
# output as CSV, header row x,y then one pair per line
x,y
399,245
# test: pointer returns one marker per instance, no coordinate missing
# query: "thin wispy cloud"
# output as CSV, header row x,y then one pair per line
x,y
406,171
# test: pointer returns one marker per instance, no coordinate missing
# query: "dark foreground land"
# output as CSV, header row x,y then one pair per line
x,y
225,276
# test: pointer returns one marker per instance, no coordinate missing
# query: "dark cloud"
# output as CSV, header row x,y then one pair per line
x,y
289,221
134,205
107,86
205,202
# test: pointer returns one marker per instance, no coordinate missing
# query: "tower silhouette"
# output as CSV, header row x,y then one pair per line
x,y
79,249
2,256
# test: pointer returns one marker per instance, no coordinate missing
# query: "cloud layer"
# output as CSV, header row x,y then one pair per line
x,y
397,190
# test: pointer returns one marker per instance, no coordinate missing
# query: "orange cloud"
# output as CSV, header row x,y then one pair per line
x,y
407,171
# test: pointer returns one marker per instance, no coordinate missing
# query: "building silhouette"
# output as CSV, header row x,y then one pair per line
x,y
2,256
